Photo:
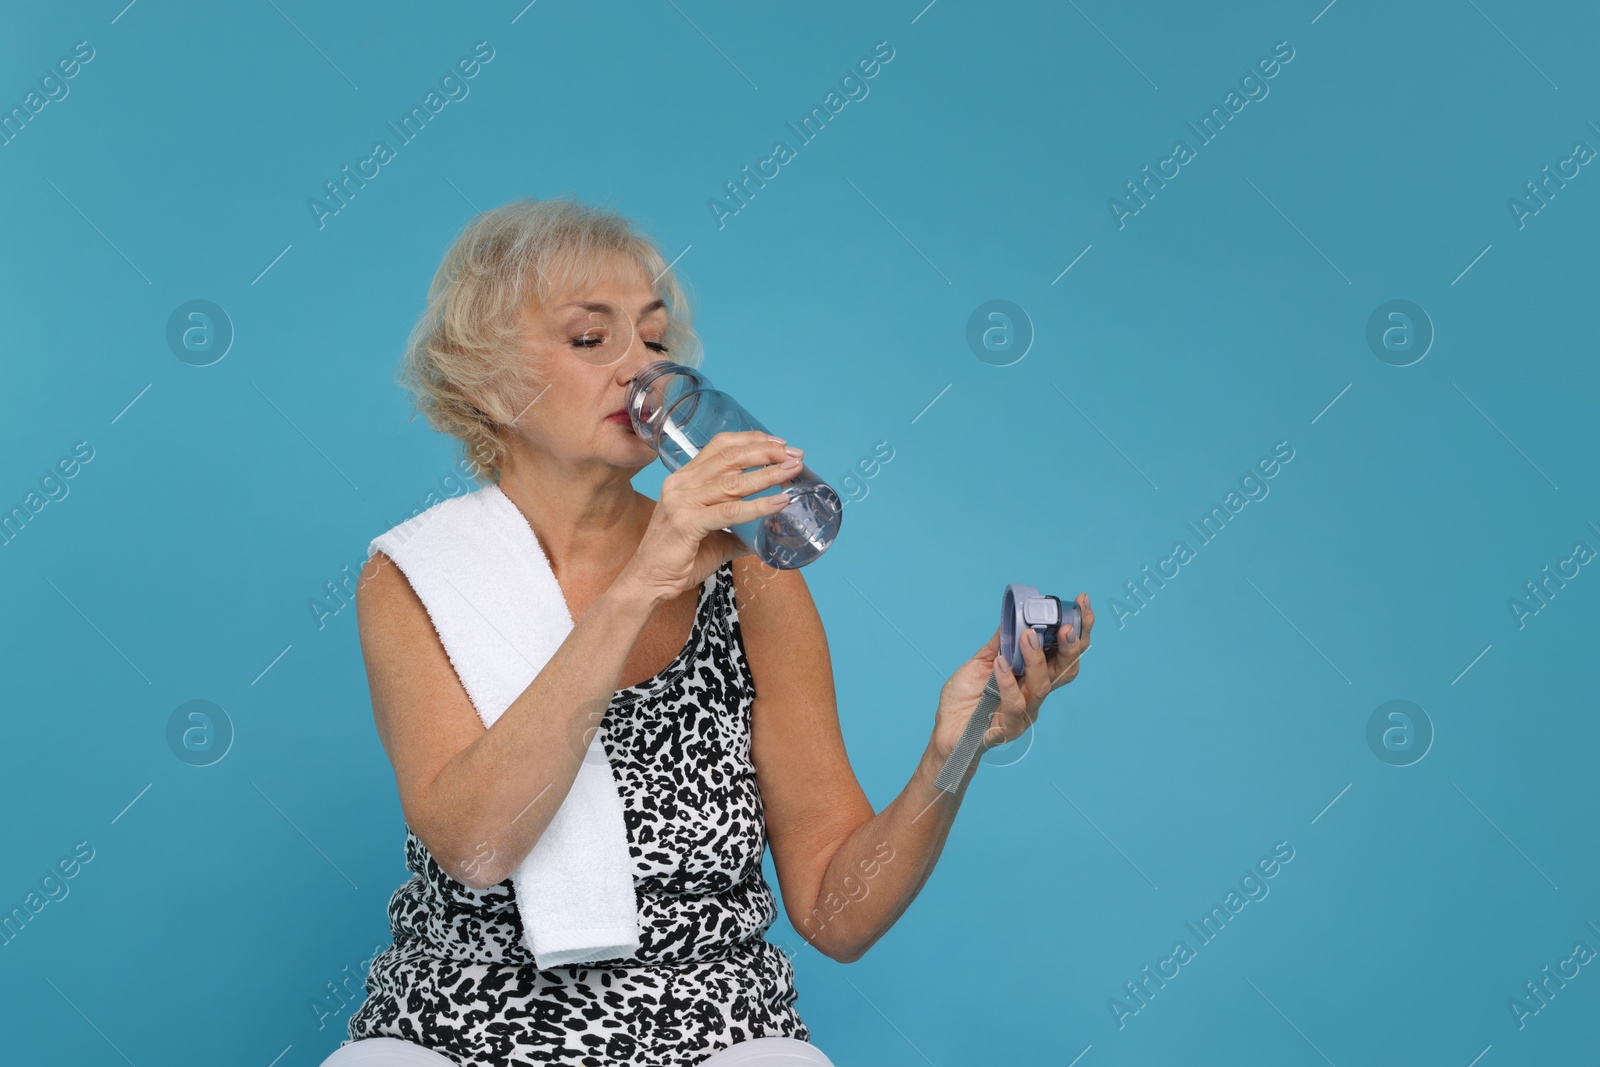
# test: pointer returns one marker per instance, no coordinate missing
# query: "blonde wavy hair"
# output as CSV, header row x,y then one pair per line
x,y
465,360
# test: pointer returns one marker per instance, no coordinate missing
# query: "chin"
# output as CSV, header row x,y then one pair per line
x,y
634,452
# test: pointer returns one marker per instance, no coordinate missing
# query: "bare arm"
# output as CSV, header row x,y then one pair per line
x,y
479,799
881,867
846,873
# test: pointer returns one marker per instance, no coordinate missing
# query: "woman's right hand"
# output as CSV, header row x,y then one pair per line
x,y
686,540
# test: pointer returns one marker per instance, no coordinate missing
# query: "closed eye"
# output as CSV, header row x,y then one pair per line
x,y
590,342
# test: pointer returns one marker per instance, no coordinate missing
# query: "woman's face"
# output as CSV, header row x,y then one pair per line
x,y
589,343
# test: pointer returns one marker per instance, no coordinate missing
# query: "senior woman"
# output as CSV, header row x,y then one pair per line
x,y
540,315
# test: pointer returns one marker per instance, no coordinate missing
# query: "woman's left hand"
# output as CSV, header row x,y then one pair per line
x,y
1020,697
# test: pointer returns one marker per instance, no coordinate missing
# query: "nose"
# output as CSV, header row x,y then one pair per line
x,y
627,370
635,360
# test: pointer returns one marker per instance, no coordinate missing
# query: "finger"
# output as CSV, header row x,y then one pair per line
x,y
742,511
739,466
1010,689
734,485
990,647
1035,669
995,734
1071,645
706,517
731,450
1075,641
1066,656
1014,714
757,466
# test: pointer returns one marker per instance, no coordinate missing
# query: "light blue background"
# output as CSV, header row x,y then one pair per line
x,y
1224,717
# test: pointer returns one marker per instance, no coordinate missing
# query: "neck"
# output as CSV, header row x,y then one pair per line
x,y
589,519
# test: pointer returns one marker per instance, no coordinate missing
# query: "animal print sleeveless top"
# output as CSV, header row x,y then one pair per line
x,y
458,978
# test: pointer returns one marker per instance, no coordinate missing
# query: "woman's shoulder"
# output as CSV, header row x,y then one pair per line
x,y
768,599
750,576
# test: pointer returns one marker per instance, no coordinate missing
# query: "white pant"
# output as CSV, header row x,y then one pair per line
x,y
760,1052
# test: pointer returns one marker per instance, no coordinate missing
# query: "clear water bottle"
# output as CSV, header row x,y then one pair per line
x,y
677,411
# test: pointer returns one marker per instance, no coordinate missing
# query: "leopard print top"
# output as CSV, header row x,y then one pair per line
x,y
458,978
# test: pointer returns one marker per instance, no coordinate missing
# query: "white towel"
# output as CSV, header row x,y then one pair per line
x,y
479,570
